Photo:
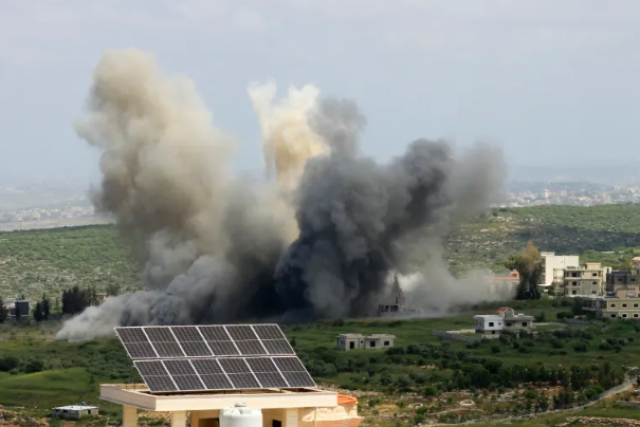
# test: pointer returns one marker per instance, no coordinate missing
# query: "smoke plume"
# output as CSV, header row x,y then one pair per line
x,y
321,241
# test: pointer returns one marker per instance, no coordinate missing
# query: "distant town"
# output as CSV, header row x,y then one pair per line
x,y
43,206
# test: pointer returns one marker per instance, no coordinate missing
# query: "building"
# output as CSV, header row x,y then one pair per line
x,y
348,342
195,372
622,280
616,307
18,308
395,304
74,412
551,261
505,320
513,277
299,408
587,280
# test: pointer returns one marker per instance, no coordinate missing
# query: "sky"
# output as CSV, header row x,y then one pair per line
x,y
553,82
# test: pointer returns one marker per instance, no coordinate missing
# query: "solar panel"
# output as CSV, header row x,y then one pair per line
x,y
234,366
271,380
289,364
278,346
250,347
214,333
214,357
260,364
164,342
155,376
241,332
299,379
244,381
217,382
224,348
191,341
269,332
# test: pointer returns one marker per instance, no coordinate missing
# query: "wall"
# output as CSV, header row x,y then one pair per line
x,y
455,337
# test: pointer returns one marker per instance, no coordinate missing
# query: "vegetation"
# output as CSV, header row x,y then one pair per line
x,y
529,266
47,262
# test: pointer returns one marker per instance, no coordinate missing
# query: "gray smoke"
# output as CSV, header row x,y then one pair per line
x,y
219,247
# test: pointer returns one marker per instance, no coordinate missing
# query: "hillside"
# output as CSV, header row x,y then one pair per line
x,y
32,262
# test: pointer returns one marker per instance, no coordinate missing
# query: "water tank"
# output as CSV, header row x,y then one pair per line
x,y
240,416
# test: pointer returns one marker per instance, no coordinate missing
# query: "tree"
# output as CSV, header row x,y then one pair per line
x,y
37,312
46,309
529,267
4,314
75,300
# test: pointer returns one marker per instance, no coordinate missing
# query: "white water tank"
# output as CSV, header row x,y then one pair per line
x,y
240,416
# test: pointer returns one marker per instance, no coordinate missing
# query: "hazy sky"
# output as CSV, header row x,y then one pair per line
x,y
552,81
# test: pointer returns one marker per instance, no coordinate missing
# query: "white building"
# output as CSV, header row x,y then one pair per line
x,y
551,262
74,412
505,320
348,342
488,324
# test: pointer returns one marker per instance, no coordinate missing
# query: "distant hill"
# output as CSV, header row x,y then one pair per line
x,y
564,229
36,261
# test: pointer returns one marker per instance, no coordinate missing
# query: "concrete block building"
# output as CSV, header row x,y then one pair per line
x,y
505,320
74,412
586,281
348,342
551,261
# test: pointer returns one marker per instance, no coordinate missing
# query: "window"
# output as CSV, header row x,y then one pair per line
x,y
524,324
635,305
493,332
613,305
89,412
574,292
508,325
386,343
490,324
624,305
594,292
633,279
613,315
276,423
594,283
635,315
352,345
372,343
574,283
624,314
574,274
595,274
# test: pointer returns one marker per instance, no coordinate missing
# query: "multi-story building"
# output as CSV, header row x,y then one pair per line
x,y
624,303
551,261
584,281
622,280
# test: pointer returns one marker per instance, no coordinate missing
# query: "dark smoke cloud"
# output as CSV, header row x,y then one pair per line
x,y
219,247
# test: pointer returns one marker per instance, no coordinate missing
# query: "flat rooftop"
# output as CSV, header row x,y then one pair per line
x,y
139,396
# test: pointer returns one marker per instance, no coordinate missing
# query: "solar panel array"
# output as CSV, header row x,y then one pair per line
x,y
232,373
151,342
214,357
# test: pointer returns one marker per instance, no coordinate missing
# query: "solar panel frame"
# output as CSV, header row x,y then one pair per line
x,y
299,379
278,347
241,332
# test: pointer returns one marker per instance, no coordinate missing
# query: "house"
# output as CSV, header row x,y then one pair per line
x,y
348,342
586,281
624,304
551,261
513,277
622,281
505,320
196,383
74,412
